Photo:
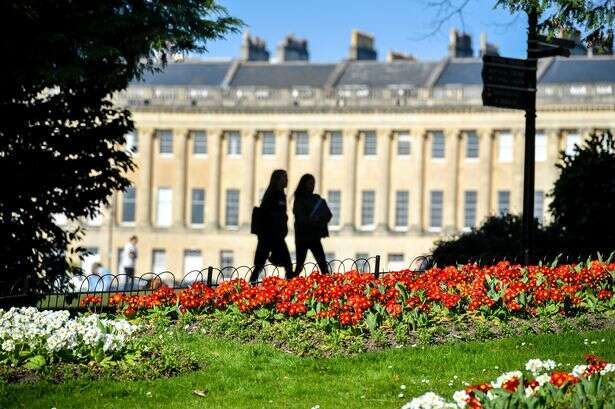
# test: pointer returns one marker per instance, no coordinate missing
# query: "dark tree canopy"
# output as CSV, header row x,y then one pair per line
x,y
583,205
498,238
61,136
595,18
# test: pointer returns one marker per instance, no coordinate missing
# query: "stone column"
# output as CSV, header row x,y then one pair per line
x,y
289,150
347,216
383,205
150,145
451,197
321,162
421,142
317,136
220,155
180,201
248,135
354,163
485,138
256,161
518,167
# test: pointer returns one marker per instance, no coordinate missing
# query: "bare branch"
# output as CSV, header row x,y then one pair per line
x,y
445,11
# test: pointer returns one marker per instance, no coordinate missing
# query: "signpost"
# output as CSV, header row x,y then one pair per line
x,y
511,83
507,82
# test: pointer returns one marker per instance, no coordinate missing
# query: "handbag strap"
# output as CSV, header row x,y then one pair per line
x,y
316,207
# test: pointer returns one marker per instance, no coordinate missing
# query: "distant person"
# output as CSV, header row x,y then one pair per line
x,y
100,279
155,283
311,218
271,227
129,261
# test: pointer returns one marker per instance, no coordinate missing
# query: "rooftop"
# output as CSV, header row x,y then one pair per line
x,y
370,74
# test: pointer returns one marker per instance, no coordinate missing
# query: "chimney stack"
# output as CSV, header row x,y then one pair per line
x,y
398,56
362,46
460,44
486,48
253,48
293,49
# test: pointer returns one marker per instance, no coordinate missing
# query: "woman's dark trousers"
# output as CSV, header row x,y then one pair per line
x,y
317,251
264,247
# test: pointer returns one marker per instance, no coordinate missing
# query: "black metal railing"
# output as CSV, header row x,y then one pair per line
x,y
70,295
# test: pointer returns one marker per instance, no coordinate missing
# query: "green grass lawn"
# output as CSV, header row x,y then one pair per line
x,y
258,376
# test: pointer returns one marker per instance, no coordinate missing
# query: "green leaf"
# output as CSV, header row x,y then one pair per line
x,y
263,313
36,362
372,320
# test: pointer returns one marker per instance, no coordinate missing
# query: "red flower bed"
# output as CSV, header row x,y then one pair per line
x,y
501,290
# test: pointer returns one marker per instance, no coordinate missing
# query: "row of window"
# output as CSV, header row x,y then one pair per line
x,y
370,145
164,209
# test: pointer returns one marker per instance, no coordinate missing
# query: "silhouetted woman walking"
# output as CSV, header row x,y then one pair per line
x,y
311,217
272,227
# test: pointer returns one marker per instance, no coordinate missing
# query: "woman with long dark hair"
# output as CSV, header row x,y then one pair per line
x,y
311,217
273,227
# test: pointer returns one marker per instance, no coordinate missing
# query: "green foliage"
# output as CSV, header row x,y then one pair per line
x,y
594,18
61,137
498,238
305,337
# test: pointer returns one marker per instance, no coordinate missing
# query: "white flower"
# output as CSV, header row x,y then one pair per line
x,y
401,395
316,407
537,366
579,370
53,332
542,379
8,345
460,398
429,401
607,369
402,387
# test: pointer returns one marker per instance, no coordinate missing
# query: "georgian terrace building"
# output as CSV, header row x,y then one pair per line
x,y
403,150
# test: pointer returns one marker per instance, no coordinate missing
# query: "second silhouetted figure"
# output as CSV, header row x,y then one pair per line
x,y
311,217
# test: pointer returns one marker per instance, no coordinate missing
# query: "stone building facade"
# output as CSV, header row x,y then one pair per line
x,y
403,151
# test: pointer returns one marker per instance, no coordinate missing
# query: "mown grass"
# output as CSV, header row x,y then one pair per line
x,y
258,376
